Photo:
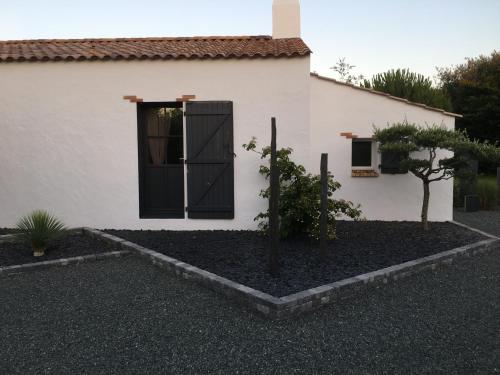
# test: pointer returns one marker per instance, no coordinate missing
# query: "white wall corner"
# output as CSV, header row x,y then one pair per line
x,y
286,19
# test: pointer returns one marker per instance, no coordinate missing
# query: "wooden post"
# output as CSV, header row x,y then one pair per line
x,y
323,222
498,185
274,224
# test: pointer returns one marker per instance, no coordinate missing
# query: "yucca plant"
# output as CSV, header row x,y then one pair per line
x,y
40,228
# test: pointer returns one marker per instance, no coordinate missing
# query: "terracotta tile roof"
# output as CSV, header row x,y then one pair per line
x,y
151,48
389,96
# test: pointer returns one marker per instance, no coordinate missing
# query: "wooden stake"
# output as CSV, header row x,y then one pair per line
x,y
274,205
498,185
323,221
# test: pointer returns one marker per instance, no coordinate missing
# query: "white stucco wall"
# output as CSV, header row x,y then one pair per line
x,y
337,108
69,140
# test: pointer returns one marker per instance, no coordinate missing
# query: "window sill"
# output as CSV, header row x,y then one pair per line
x,y
364,173
163,216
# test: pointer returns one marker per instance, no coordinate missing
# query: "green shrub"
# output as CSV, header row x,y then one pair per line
x,y
488,192
300,197
39,228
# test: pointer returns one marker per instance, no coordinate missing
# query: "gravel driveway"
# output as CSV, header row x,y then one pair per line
x,y
488,221
124,316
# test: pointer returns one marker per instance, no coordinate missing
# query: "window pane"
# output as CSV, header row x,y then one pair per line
x,y
361,154
177,120
174,150
157,151
164,130
163,122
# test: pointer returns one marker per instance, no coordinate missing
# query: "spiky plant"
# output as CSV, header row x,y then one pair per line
x,y
40,228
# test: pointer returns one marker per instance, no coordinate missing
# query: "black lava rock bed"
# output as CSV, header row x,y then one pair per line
x,y
361,247
67,246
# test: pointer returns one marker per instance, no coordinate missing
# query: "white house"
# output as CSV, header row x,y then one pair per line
x,y
147,133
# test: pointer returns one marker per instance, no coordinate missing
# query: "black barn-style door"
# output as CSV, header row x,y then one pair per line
x,y
210,160
161,160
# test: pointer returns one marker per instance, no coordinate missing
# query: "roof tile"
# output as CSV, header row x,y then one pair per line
x,y
151,48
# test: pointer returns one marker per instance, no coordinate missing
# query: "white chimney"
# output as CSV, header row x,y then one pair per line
x,y
286,19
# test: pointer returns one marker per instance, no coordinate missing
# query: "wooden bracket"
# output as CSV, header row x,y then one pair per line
x,y
349,135
133,99
186,98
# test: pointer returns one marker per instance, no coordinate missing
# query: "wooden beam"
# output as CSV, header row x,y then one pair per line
x,y
323,221
186,98
274,230
348,135
133,99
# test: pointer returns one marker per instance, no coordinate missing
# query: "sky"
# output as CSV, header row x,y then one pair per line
x,y
373,35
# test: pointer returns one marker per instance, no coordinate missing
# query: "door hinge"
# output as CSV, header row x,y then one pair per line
x,y
187,209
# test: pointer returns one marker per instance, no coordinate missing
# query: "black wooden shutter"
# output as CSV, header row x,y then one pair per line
x,y
210,160
391,163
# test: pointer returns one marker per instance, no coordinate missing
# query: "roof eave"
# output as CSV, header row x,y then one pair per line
x,y
388,96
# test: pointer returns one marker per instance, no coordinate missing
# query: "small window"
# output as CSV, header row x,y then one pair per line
x,y
391,163
362,153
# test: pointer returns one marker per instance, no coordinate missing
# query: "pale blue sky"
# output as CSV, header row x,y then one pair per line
x,y
374,35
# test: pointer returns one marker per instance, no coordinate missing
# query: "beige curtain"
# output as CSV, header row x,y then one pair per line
x,y
158,123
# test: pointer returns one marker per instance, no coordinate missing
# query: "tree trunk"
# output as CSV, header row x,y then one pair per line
x,y
274,230
38,251
425,206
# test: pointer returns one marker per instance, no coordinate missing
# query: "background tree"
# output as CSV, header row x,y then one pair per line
x,y
474,89
412,86
406,140
344,71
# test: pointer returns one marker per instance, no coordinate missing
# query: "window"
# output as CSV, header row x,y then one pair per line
x,y
161,167
186,158
391,163
362,153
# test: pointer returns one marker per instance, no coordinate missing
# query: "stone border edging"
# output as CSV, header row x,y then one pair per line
x,y
14,236
18,268
8,238
261,301
475,230
283,307
61,262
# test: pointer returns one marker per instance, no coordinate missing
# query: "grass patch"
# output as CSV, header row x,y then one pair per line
x,y
487,190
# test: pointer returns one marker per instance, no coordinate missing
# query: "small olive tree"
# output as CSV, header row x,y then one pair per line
x,y
418,150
